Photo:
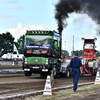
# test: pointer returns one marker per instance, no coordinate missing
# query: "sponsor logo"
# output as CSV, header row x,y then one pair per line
x,y
36,61
38,47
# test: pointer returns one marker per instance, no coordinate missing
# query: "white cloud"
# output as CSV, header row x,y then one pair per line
x,y
70,38
21,30
3,16
54,2
98,48
89,32
83,19
14,7
10,1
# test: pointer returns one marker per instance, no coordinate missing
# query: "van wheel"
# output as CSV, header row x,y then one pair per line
x,y
67,74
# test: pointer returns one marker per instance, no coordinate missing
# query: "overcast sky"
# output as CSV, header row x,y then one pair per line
x,y
17,16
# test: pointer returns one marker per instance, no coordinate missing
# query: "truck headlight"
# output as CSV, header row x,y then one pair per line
x,y
46,61
25,60
50,61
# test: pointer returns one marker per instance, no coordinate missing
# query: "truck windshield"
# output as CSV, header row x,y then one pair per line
x,y
38,40
88,46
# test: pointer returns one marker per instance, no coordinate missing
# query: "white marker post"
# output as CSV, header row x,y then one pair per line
x,y
97,79
48,85
47,89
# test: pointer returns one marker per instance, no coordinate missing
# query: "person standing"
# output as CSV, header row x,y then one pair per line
x,y
75,65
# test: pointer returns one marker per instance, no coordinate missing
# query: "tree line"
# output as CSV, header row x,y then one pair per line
x,y
7,42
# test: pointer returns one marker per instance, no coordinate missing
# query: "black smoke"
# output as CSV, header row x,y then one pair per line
x,y
64,7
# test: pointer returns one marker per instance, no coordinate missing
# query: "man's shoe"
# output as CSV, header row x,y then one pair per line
x,y
74,90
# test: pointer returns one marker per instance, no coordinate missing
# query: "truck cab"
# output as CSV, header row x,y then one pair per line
x,y
42,50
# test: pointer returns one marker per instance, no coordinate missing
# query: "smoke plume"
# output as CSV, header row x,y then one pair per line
x,y
64,7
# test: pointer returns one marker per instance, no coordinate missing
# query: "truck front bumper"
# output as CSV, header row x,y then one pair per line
x,y
36,68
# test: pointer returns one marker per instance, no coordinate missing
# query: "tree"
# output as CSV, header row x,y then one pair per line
x,y
98,54
6,42
80,52
1,42
65,52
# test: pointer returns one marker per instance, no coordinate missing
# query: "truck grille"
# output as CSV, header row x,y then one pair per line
x,y
36,60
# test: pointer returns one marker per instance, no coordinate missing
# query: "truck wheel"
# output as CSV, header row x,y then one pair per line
x,y
27,73
94,71
60,75
23,66
43,75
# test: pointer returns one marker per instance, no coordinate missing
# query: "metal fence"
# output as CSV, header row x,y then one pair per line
x,y
11,62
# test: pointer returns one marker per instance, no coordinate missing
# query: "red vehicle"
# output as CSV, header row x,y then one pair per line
x,y
89,60
90,63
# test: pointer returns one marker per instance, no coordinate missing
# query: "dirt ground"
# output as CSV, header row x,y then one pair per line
x,y
10,67
16,83
90,92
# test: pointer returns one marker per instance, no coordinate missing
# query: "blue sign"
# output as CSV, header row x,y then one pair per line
x,y
44,47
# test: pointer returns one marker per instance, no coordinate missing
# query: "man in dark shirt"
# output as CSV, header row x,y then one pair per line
x,y
75,65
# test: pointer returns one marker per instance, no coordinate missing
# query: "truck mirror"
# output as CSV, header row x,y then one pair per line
x,y
21,42
55,44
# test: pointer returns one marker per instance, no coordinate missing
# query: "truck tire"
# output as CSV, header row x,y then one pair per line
x,y
61,75
94,71
27,73
43,75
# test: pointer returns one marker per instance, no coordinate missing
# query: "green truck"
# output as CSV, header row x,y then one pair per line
x,y
42,52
